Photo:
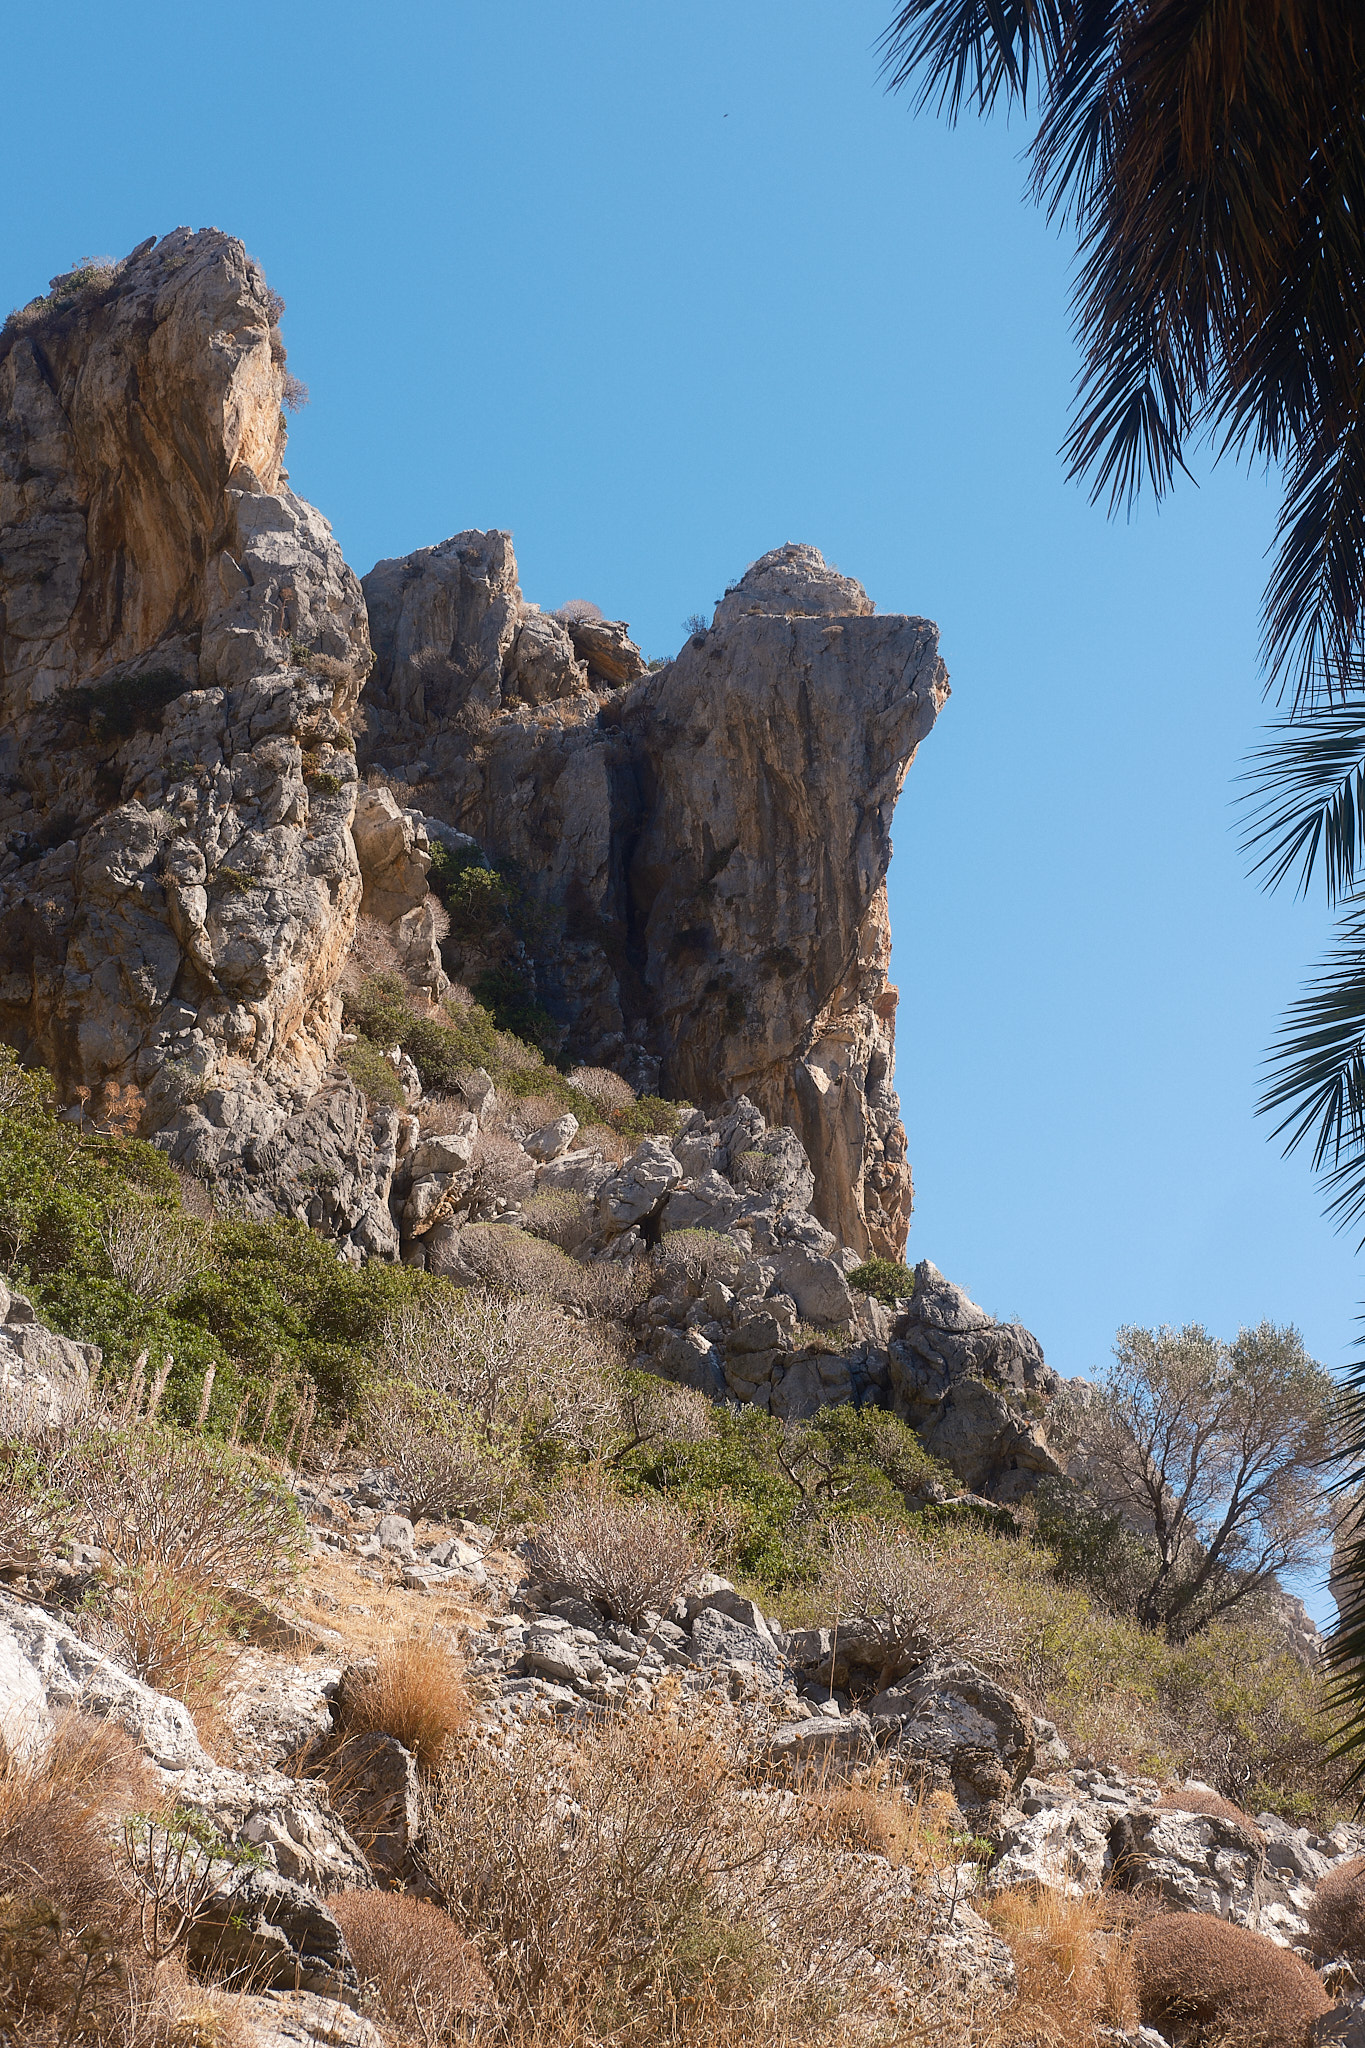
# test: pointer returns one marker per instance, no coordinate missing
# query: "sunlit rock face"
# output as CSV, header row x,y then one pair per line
x,y
706,844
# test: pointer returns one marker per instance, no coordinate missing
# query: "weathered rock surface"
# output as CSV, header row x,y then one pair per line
x,y
181,653
706,849
44,1378
976,1390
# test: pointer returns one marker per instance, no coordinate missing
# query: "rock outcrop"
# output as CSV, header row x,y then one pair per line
x,y
705,846
181,648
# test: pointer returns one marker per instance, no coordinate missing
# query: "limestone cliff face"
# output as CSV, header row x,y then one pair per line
x,y
181,647
706,846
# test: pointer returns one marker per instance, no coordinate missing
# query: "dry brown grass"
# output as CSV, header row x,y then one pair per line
x,y
65,1932
628,1555
1220,1983
1073,1968
1202,1799
416,1693
909,1826
419,1972
626,1884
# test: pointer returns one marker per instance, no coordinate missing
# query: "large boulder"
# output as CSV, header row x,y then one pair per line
x,y
975,1390
44,1378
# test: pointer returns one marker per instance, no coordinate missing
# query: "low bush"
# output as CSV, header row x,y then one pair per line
x,y
1211,1980
415,1692
129,703
886,1280
678,1905
447,1462
926,1594
695,1256
365,1063
561,1218
189,1531
419,1972
1336,1918
628,1556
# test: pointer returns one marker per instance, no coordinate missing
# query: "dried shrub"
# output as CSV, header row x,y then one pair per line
x,y
189,1531
446,1461
925,1596
152,1247
64,1918
627,1555
516,1365
606,1090
419,1972
1202,1975
1074,1975
562,1218
516,1262
696,1256
437,1113
1336,1918
415,1692
579,611
499,1164
626,1884
372,953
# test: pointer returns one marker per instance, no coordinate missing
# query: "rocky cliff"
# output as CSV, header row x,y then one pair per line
x,y
703,848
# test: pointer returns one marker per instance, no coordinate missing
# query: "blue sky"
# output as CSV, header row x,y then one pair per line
x,y
659,286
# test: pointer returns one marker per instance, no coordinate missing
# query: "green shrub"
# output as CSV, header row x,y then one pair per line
x,y
380,1010
371,1072
885,1279
507,994
649,1116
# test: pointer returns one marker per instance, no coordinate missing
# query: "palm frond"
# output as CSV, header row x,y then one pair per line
x,y
1317,1064
1313,605
971,51
1309,791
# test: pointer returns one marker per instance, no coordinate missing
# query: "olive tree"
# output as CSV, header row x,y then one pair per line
x,y
1218,1457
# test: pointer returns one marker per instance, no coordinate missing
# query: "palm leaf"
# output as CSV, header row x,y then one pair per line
x,y
1309,789
1317,1065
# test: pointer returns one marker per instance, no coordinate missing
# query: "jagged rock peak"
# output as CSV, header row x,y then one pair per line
x,y
789,580
182,651
706,847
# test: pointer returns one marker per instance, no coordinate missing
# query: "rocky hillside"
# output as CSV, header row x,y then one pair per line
x,y
496,1545
702,850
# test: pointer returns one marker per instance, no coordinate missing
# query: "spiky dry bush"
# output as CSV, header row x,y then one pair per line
x,y
418,1971
416,1692
531,1377
36,1514
925,1595
604,1089
447,1462
629,1555
516,1262
560,1217
624,1882
1073,1969
189,1531
1336,1918
153,1248
1203,1799
1204,1977
696,1256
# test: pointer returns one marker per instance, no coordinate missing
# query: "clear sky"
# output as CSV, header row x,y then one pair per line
x,y
658,286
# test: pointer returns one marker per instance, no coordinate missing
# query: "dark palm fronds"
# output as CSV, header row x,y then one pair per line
x,y
1210,155
1308,787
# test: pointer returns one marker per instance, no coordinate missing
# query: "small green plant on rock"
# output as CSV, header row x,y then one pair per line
x,y
887,1280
